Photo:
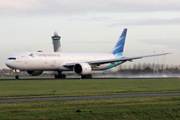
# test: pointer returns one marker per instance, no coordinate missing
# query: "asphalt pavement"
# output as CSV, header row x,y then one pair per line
x,y
88,97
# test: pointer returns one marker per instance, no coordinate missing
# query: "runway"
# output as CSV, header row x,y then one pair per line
x,y
88,97
24,78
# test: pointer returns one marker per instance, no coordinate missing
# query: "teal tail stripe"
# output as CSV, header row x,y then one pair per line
x,y
120,44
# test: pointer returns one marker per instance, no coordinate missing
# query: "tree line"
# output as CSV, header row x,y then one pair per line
x,y
148,68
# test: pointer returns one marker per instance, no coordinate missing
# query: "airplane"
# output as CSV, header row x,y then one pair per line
x,y
80,63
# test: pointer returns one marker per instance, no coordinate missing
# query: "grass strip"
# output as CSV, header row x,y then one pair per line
x,y
89,87
138,108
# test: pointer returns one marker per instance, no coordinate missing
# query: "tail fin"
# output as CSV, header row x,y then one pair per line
x,y
118,49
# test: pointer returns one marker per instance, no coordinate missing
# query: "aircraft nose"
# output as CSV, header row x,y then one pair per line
x,y
10,64
7,63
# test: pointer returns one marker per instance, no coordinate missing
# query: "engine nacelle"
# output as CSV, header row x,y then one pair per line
x,y
34,73
82,68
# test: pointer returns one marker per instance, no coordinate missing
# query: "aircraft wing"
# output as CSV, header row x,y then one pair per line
x,y
98,62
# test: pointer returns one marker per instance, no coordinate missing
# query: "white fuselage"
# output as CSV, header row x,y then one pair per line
x,y
48,61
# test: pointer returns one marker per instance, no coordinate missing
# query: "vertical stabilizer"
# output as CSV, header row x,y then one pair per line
x,y
118,49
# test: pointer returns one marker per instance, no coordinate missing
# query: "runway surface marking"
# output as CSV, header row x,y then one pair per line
x,y
88,97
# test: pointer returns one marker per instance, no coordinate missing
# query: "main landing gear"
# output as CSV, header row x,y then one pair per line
x,y
87,76
60,76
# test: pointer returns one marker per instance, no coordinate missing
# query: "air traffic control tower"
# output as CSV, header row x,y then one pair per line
x,y
56,42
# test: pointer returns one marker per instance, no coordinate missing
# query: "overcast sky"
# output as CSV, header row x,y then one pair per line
x,y
91,26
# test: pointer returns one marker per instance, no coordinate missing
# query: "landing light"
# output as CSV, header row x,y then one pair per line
x,y
164,75
16,70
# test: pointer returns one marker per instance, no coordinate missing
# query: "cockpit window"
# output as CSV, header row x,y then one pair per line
x,y
12,58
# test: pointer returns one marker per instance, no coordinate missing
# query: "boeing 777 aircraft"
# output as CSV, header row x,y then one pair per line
x,y
81,63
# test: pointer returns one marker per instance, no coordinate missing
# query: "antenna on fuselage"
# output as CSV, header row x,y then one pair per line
x,y
56,42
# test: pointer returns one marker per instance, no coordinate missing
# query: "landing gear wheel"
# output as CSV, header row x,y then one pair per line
x,y
17,76
91,76
87,76
60,76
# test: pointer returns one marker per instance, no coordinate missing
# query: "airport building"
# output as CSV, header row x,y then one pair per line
x,y
56,42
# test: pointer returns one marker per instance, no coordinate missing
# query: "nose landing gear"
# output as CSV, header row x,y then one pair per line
x,y
17,77
17,73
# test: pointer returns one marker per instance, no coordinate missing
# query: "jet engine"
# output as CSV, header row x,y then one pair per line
x,y
82,68
34,73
